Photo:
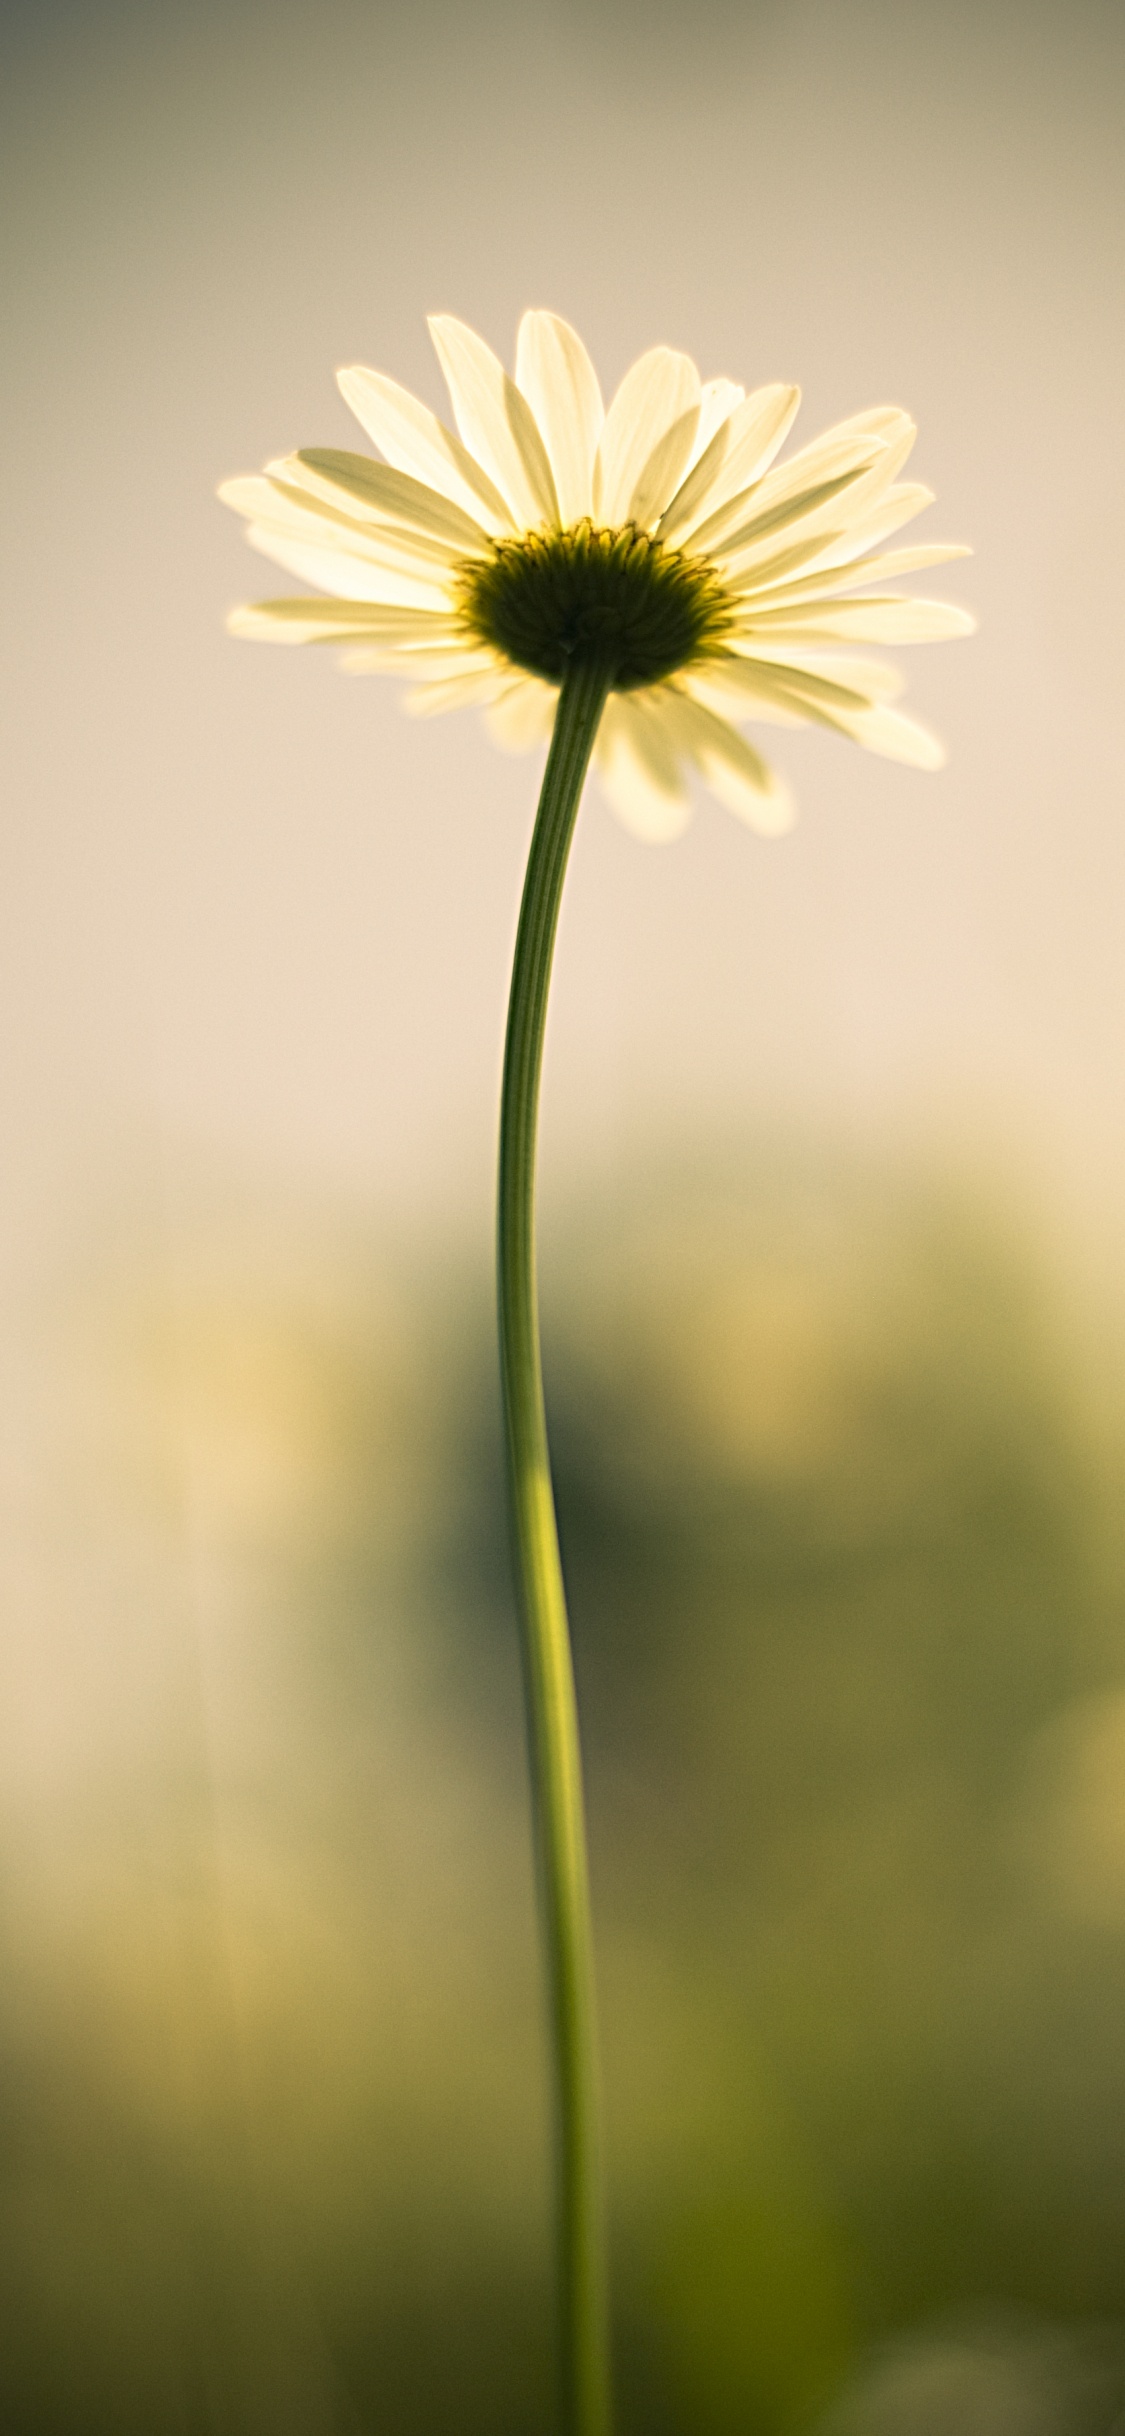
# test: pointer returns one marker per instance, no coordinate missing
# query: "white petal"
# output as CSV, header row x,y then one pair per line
x,y
894,619
663,469
891,424
874,521
802,486
871,493
831,541
495,421
737,456
279,507
320,621
759,689
830,702
898,738
811,684
870,680
453,693
523,715
658,390
430,661
905,562
640,772
717,402
266,500
417,443
765,568
770,812
733,770
387,545
561,387
828,579
833,453
389,496
735,694
351,577
739,555
779,690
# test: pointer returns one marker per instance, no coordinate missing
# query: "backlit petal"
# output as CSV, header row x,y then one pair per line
x,y
474,688
831,702
896,737
435,662
733,770
640,771
829,579
660,389
278,506
717,402
873,521
351,577
332,621
893,619
561,386
417,443
758,689
523,715
495,421
796,489
387,494
662,472
738,455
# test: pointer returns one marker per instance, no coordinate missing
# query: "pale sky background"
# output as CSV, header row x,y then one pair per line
x,y
256,921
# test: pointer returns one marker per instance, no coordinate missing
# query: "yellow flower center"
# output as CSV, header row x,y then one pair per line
x,y
613,596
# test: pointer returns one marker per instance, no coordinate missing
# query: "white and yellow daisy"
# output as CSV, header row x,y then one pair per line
x,y
660,537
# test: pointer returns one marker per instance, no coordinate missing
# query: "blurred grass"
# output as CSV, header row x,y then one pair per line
x,y
838,1494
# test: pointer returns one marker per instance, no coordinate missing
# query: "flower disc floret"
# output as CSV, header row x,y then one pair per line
x,y
613,596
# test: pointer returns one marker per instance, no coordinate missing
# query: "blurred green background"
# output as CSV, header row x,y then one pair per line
x,y
833,1201
838,1467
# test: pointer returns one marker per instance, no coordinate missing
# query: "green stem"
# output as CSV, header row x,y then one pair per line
x,y
556,1767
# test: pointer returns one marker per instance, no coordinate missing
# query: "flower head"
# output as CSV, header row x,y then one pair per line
x,y
659,539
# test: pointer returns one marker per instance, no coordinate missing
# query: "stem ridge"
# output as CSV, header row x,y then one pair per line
x,y
552,1716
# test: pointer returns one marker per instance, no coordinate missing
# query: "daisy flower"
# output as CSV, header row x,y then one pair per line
x,y
637,584
661,537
